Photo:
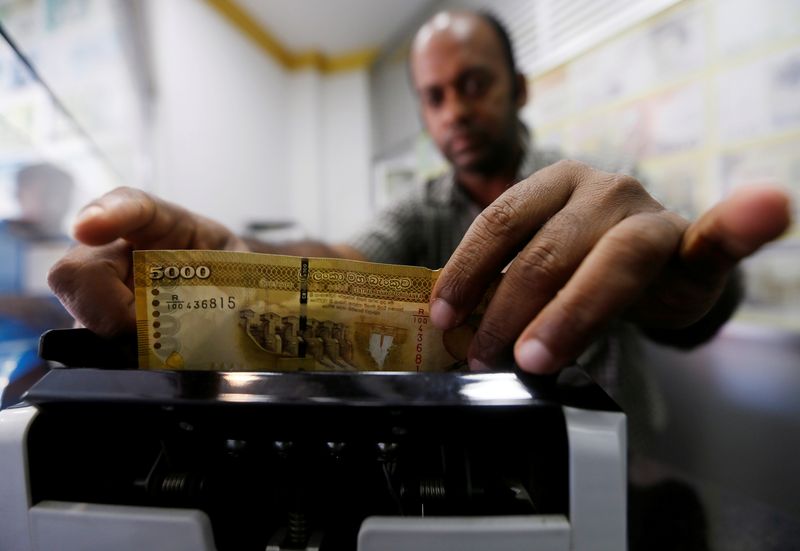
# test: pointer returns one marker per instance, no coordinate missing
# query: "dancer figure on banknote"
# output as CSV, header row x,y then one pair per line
x,y
590,249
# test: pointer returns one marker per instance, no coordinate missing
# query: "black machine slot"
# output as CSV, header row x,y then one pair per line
x,y
306,456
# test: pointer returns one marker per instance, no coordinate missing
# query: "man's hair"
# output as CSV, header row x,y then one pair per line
x,y
53,182
505,44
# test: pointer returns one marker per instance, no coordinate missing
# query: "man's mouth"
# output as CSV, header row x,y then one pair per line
x,y
463,142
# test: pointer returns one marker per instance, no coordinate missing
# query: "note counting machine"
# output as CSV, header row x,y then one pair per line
x,y
100,458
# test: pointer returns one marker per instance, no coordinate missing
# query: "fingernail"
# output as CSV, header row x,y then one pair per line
x,y
535,357
478,365
443,315
89,212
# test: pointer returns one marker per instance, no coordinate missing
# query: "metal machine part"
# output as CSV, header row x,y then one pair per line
x,y
316,461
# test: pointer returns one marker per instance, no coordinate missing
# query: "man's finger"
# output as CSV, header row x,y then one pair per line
x,y
623,264
538,272
494,238
544,266
93,283
734,229
137,217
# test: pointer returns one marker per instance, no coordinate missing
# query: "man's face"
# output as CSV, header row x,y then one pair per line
x,y
465,90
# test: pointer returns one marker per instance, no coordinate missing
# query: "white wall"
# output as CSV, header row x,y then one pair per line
x,y
239,138
305,151
329,157
395,114
220,117
346,139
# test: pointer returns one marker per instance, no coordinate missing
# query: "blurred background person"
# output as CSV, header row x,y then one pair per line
x,y
43,193
28,243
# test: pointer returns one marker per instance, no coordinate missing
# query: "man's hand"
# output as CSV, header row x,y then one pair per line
x,y
94,281
588,246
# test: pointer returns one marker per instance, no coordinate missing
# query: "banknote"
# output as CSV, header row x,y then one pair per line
x,y
234,311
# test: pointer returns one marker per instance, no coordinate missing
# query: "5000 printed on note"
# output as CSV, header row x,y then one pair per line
x,y
232,311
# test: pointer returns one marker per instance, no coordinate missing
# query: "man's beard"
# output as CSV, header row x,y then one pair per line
x,y
494,158
494,155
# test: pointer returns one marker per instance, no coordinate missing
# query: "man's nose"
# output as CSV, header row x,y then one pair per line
x,y
456,108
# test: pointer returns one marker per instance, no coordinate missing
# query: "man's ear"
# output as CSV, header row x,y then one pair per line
x,y
520,90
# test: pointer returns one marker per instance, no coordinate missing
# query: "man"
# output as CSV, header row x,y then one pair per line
x,y
588,247
43,192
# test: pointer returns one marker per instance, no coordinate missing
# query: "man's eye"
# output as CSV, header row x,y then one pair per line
x,y
474,86
433,98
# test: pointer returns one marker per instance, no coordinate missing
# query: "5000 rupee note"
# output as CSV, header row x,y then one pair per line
x,y
231,311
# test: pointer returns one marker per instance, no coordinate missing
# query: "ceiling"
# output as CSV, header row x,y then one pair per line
x,y
335,27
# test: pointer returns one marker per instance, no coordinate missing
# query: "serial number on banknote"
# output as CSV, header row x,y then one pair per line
x,y
174,302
